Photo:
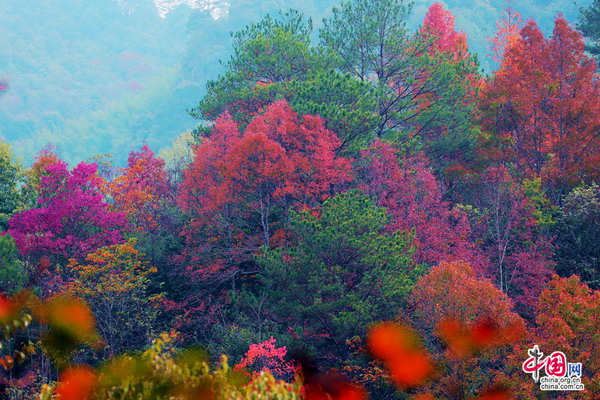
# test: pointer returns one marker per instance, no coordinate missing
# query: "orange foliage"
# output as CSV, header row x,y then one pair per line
x,y
71,315
398,347
7,308
331,386
483,334
77,383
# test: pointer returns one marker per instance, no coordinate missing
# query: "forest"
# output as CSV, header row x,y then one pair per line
x,y
357,212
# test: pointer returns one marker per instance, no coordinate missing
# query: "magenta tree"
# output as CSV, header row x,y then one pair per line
x,y
71,218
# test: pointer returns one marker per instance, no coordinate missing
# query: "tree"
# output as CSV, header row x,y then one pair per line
x,y
265,356
115,281
178,156
508,30
577,229
407,188
274,50
346,105
369,39
423,92
33,176
589,25
475,321
240,186
10,177
251,178
340,272
445,125
439,24
143,193
566,321
13,274
540,104
505,225
71,218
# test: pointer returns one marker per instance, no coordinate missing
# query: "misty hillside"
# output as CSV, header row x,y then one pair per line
x,y
99,76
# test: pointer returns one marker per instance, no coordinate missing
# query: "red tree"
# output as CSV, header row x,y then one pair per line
x,y
143,193
541,106
265,356
507,34
475,323
446,94
240,186
439,26
567,321
141,190
242,182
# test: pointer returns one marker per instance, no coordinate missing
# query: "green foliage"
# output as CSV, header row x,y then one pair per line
x,y
10,176
370,40
367,37
544,210
420,93
13,274
347,105
340,273
589,25
274,50
577,232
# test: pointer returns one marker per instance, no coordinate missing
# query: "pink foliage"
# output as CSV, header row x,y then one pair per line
x,y
508,232
439,26
407,188
71,218
265,356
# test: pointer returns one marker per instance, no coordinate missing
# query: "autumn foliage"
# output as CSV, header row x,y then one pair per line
x,y
540,104
142,190
71,218
366,217
240,184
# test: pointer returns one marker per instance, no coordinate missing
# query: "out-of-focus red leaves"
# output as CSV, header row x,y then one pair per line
x,y
423,396
398,347
77,383
72,315
485,332
410,369
331,386
8,308
496,393
465,340
326,386
7,362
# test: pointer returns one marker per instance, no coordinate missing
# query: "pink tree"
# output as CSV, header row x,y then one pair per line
x,y
265,356
71,218
438,25
505,225
407,188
